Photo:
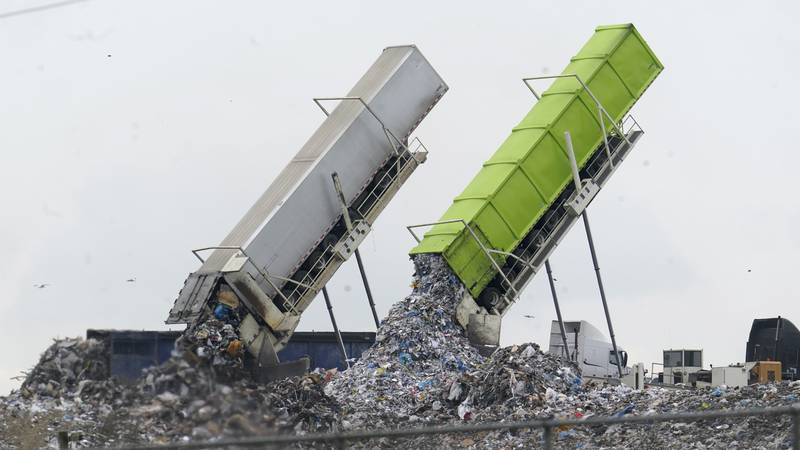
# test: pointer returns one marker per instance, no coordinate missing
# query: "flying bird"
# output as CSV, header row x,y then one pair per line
x,y
131,280
41,285
528,316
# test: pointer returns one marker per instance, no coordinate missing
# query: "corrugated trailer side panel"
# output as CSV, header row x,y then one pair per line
x,y
300,206
400,87
400,95
531,168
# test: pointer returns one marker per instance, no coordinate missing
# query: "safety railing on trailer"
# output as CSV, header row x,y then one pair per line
x,y
405,155
602,113
627,126
309,281
548,426
266,276
550,221
402,151
405,158
619,131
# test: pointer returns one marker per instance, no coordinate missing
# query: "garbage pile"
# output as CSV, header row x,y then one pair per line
x,y
419,352
66,367
421,371
422,368
179,401
514,382
605,400
192,396
214,344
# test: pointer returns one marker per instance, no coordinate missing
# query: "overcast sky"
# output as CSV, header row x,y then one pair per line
x,y
134,131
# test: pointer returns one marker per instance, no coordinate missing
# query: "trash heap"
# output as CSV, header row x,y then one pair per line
x,y
180,400
753,432
605,400
422,368
514,382
195,395
409,378
421,371
214,344
419,352
66,368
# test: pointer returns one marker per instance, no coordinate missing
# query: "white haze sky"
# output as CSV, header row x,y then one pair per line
x,y
134,131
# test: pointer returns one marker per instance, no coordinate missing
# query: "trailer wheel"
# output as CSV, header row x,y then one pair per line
x,y
490,297
513,272
314,260
382,180
330,241
523,253
288,292
355,214
299,275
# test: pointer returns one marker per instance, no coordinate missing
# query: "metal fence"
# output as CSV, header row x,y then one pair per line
x,y
341,440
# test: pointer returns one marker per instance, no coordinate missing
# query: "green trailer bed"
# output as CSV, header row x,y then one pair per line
x,y
529,171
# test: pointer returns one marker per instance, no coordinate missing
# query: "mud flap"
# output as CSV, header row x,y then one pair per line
x,y
269,368
282,370
483,332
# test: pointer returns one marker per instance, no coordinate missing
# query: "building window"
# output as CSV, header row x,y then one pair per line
x,y
693,358
673,358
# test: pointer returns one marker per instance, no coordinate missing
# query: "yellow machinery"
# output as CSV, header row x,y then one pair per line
x,y
765,372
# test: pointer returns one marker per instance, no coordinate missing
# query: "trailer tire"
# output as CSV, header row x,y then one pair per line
x,y
314,260
299,275
329,241
382,181
490,297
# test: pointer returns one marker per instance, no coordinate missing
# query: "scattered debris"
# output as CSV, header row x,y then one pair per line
x,y
419,352
421,371
67,367
199,393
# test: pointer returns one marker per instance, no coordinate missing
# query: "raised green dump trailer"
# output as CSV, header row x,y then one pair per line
x,y
523,200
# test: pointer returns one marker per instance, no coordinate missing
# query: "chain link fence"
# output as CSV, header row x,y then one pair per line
x,y
344,439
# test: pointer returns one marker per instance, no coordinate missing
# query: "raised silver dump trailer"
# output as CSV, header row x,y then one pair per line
x,y
322,205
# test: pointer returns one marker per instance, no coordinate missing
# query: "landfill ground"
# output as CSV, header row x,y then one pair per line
x,y
420,372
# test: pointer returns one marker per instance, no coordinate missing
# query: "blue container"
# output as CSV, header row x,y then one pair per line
x,y
323,349
130,352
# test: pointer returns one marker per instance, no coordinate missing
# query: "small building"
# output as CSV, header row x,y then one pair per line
x,y
735,375
680,364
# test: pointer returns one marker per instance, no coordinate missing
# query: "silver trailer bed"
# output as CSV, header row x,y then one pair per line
x,y
292,240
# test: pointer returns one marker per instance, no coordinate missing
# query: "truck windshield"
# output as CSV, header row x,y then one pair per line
x,y
623,356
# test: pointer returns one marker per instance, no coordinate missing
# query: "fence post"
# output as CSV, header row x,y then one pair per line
x,y
63,439
796,427
548,437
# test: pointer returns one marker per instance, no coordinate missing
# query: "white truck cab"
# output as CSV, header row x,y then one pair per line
x,y
589,348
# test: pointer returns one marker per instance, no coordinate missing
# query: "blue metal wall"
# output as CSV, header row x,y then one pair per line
x,y
130,352
323,350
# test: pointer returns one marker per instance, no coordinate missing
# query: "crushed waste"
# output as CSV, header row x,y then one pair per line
x,y
420,372
197,394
